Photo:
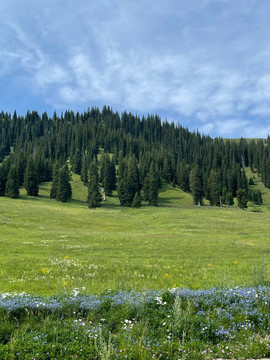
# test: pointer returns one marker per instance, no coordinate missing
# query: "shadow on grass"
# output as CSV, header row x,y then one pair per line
x,y
34,198
77,202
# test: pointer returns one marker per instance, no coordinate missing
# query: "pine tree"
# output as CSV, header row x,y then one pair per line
x,y
242,198
196,186
136,203
150,186
54,187
250,181
107,174
63,189
31,178
229,198
93,169
84,172
133,179
129,182
77,162
3,180
94,197
13,183
123,191
214,192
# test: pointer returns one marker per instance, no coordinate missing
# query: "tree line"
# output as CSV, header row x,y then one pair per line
x,y
135,156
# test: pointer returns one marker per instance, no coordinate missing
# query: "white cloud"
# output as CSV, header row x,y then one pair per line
x,y
204,61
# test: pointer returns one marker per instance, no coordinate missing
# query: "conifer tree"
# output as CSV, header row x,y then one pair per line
x,y
150,186
123,191
196,186
107,174
63,190
242,198
84,172
31,178
54,187
133,179
109,181
229,198
77,162
214,192
259,198
136,203
251,181
94,197
13,183
3,180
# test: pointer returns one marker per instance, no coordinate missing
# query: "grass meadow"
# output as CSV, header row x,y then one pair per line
x,y
111,283
47,247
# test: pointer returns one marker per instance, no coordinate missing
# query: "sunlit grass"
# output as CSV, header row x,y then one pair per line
x,y
47,247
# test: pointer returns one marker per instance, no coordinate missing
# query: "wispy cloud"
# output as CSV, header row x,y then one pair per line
x,y
203,62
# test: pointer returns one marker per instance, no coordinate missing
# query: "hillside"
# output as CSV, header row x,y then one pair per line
x,y
48,247
125,152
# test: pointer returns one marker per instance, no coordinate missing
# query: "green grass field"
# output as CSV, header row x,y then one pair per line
x,y
47,247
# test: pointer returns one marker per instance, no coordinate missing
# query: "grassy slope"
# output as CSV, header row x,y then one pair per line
x,y
47,247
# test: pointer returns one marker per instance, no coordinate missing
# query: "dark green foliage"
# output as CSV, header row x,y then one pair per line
x,y
174,149
84,172
107,174
182,176
250,181
242,198
54,187
21,162
61,188
229,198
31,178
255,196
214,192
259,199
77,162
122,190
150,186
196,186
13,183
136,203
129,184
3,179
94,197
167,172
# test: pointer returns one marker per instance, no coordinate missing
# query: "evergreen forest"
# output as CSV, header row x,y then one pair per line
x,y
126,153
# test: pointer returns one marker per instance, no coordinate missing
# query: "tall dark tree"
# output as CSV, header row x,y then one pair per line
x,y
107,174
61,187
31,177
229,198
214,191
242,198
13,184
3,179
84,172
150,186
77,162
136,203
54,187
196,186
94,197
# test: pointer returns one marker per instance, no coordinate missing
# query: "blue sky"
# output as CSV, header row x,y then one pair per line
x,y
202,63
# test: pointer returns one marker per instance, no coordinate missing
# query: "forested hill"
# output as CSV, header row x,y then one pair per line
x,y
135,156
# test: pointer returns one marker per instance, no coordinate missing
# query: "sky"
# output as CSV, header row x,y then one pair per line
x,y
204,64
